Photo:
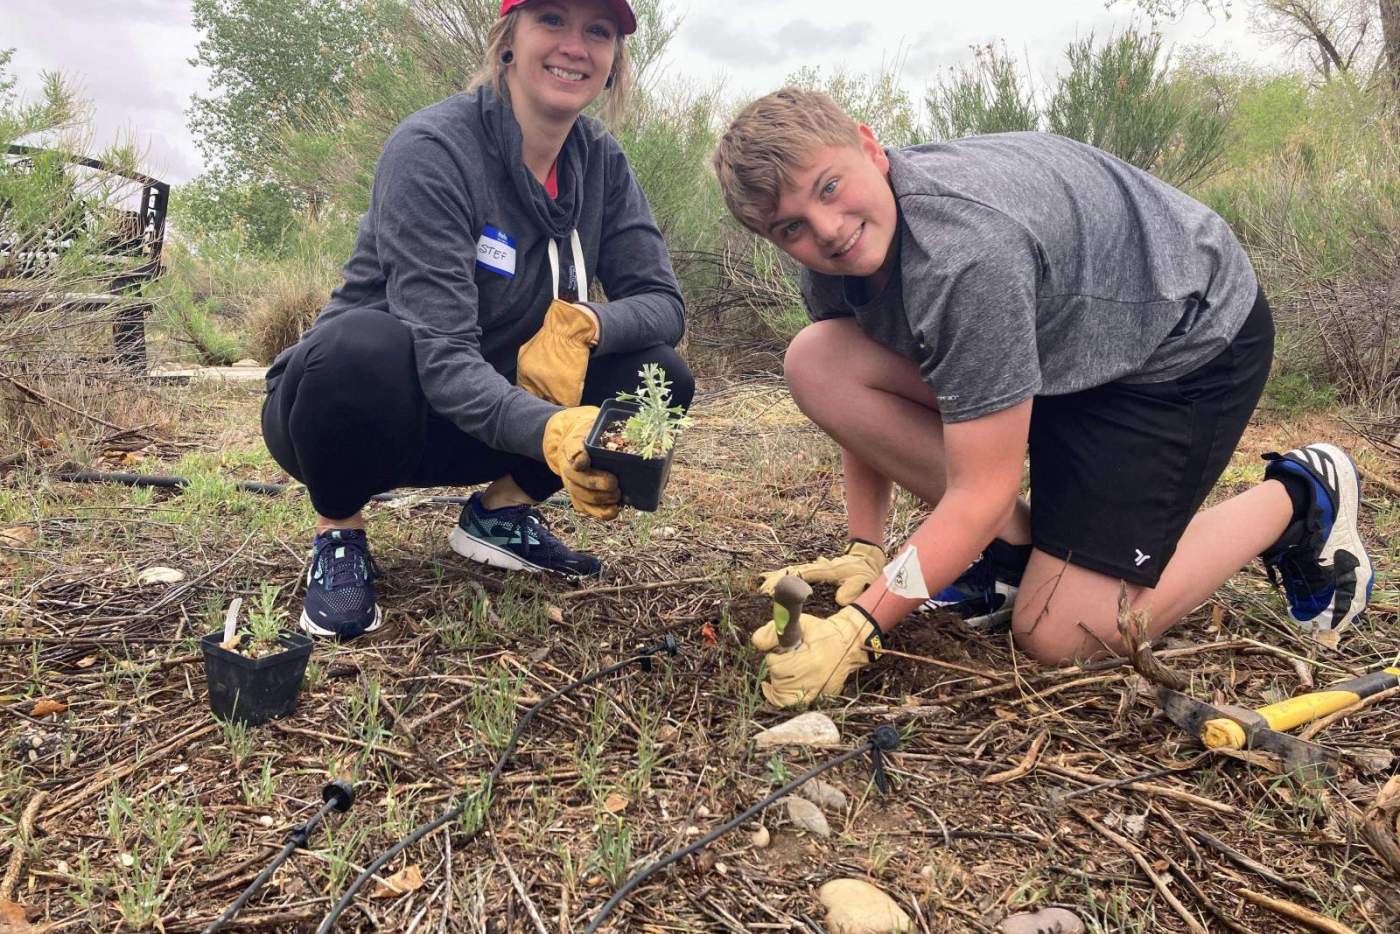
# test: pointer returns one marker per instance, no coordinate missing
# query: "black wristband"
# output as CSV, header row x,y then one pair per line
x,y
872,641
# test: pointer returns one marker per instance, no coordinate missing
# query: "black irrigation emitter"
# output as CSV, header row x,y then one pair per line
x,y
338,795
884,739
643,658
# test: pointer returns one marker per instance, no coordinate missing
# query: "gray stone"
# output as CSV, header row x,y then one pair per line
x,y
823,795
808,816
1044,921
809,729
854,906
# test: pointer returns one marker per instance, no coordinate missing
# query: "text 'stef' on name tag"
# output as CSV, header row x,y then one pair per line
x,y
496,251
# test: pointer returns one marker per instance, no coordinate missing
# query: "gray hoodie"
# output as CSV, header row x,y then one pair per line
x,y
452,182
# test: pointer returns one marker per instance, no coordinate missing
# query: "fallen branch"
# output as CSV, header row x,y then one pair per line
x,y
1132,627
18,844
1303,916
1167,894
1027,763
1381,825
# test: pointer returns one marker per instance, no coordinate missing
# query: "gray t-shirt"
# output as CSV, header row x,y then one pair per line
x,y
1030,264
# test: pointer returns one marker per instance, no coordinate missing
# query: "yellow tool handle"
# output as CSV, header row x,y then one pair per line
x,y
1285,715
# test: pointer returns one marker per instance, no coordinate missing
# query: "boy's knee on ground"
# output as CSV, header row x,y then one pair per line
x,y
1052,639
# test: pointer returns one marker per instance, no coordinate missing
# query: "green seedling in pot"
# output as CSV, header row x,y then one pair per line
x,y
653,430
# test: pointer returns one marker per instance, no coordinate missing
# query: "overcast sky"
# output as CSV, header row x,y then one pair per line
x,y
129,58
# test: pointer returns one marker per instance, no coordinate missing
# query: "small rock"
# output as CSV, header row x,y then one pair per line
x,y
1057,920
808,729
127,860
160,575
666,531
265,820
761,838
556,615
808,816
823,795
854,906
702,811
692,831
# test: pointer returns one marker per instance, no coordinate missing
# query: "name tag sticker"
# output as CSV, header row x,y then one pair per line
x,y
496,251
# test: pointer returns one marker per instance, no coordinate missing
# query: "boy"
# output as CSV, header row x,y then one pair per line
x,y
975,299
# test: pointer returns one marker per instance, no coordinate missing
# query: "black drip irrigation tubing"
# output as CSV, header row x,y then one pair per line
x,y
171,482
643,658
338,795
884,739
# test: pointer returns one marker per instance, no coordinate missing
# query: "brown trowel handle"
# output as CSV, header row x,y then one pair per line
x,y
788,597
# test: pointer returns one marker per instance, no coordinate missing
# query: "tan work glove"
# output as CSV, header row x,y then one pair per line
x,y
593,492
832,647
553,363
853,571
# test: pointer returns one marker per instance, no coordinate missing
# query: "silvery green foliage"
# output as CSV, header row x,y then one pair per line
x,y
653,430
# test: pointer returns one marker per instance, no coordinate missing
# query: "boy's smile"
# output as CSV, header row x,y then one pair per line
x,y
838,216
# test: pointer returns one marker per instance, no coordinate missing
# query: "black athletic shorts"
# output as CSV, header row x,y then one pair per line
x,y
1118,471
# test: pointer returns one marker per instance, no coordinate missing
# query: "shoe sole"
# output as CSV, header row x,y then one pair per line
x,y
474,549
311,628
1345,536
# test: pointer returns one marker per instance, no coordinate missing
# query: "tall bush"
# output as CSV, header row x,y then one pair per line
x,y
986,96
1120,98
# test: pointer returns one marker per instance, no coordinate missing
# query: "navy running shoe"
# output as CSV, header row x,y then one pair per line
x,y
340,600
985,595
1326,573
517,539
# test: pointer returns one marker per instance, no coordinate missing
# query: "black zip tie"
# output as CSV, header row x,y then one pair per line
x,y
643,658
883,739
338,795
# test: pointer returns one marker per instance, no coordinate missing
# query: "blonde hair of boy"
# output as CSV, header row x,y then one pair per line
x,y
771,138
493,68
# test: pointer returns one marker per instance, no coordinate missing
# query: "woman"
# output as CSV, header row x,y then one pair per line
x,y
462,347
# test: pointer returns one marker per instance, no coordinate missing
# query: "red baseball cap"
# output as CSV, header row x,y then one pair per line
x,y
620,8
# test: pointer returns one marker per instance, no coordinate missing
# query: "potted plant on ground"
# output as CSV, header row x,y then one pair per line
x,y
634,438
255,673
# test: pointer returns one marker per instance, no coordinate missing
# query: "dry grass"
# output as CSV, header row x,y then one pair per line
x,y
283,309
136,771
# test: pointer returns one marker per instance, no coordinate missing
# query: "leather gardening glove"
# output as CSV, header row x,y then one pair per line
x,y
852,571
832,647
552,364
593,492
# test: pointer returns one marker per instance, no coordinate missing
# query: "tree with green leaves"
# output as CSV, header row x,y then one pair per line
x,y
273,64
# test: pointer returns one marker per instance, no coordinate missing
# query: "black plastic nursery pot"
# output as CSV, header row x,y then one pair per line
x,y
254,690
640,480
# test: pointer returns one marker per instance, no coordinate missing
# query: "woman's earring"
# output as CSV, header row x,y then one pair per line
x,y
507,57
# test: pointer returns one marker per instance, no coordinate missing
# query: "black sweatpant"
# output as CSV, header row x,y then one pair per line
x,y
348,417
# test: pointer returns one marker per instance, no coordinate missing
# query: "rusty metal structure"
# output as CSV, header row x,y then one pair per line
x,y
134,249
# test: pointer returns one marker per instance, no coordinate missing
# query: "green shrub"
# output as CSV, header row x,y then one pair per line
x,y
1321,221
984,97
1120,98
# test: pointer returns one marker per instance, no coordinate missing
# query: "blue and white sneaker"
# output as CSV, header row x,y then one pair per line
x,y
340,601
516,538
1327,575
985,595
